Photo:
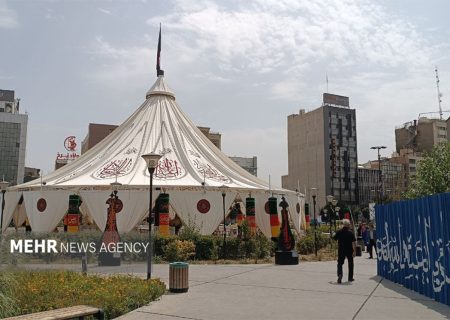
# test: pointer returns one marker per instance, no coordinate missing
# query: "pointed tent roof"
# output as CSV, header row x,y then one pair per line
x,y
159,126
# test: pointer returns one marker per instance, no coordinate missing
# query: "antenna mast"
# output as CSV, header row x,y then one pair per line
x,y
439,94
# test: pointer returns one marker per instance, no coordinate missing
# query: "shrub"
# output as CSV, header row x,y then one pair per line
x,y
305,245
116,295
179,250
206,247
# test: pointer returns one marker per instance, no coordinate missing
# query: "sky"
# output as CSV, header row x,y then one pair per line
x,y
239,67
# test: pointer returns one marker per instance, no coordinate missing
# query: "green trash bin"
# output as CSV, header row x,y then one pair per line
x,y
178,277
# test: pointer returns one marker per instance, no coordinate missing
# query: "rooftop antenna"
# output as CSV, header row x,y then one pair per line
x,y
439,93
159,72
326,76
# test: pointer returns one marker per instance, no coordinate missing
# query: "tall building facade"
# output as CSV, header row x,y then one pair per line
x,y
322,151
13,138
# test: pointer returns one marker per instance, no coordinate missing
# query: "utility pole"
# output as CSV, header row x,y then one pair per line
x,y
380,174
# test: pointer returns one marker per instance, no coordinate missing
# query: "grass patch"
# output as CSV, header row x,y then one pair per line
x,y
36,291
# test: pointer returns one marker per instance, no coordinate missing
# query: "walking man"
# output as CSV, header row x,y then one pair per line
x,y
346,249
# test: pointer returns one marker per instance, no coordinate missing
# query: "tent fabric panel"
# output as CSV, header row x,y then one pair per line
x,y
57,203
19,215
262,218
135,208
186,203
95,201
296,202
11,201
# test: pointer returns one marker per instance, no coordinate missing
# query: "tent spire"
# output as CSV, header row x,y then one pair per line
x,y
159,72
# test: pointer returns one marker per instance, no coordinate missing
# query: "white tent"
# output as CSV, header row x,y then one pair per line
x,y
191,169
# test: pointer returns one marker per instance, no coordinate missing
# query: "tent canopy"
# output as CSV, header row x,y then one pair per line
x,y
191,168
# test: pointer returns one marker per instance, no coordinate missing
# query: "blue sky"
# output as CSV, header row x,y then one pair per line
x,y
239,67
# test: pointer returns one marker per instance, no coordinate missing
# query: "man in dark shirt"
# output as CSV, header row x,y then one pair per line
x,y
346,249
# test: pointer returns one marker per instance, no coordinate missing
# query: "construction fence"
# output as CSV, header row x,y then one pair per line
x,y
413,245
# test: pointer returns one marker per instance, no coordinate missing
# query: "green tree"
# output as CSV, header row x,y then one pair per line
x,y
433,173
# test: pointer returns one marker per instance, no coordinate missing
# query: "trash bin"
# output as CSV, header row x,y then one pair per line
x,y
358,251
178,277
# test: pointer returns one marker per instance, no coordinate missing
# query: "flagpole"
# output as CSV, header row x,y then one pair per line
x,y
159,72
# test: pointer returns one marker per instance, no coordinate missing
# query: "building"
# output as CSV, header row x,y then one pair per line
x,y
31,174
409,161
214,137
13,138
96,133
421,135
322,151
391,185
368,180
250,164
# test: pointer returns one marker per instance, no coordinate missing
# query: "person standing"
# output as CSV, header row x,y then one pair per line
x,y
346,249
372,240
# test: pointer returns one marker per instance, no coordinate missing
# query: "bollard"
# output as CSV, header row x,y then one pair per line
x,y
84,264
358,251
178,277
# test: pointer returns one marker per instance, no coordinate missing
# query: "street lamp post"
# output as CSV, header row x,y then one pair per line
x,y
151,159
223,189
330,216
3,185
314,195
380,175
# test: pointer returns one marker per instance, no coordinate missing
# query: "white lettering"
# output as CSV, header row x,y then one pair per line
x,y
28,246
103,248
64,247
16,246
51,246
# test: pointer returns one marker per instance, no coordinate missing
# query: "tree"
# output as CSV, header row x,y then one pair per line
x,y
433,173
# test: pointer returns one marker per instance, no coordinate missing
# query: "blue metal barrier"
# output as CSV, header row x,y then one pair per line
x,y
413,244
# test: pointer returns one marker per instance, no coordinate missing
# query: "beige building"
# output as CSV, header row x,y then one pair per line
x,y
96,133
322,151
214,137
421,135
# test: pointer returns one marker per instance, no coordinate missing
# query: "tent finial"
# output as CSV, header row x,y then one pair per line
x,y
159,72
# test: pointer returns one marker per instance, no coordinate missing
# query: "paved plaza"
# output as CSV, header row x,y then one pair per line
x,y
306,291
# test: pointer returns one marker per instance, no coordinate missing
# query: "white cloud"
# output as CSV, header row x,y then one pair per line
x,y
211,77
264,35
280,51
105,11
8,17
